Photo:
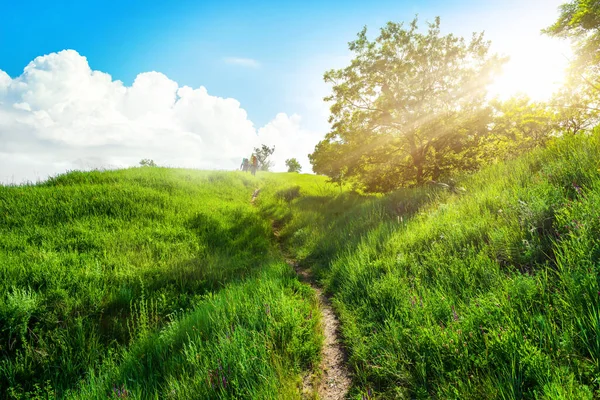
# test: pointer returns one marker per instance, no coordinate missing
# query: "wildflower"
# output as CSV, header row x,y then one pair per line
x,y
454,314
577,188
120,392
267,309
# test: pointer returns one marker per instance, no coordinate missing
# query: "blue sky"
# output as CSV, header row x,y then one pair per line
x,y
269,56
293,42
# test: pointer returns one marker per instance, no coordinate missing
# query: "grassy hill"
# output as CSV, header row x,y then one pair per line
x,y
491,292
170,283
165,283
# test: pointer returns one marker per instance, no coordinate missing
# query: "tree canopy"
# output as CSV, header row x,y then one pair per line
x,y
409,108
577,101
579,20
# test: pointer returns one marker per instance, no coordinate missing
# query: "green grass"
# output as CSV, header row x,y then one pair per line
x,y
170,284
490,293
138,278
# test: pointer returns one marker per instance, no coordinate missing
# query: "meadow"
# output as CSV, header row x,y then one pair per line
x,y
161,283
487,290
147,283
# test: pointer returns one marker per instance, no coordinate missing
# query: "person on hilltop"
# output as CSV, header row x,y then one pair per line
x,y
245,164
254,163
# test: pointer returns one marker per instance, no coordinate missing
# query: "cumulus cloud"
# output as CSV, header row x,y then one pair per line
x,y
244,62
61,115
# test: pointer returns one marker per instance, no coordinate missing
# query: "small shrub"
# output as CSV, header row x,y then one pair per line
x,y
289,194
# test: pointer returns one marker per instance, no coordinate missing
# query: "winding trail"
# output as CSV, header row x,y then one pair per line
x,y
334,383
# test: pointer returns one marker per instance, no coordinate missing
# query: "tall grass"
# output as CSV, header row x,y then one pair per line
x,y
160,283
490,293
102,274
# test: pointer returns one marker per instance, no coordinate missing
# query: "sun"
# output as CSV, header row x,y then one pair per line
x,y
537,70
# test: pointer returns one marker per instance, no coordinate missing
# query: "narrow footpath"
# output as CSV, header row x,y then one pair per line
x,y
335,381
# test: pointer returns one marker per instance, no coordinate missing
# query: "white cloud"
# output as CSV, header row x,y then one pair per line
x,y
61,115
244,62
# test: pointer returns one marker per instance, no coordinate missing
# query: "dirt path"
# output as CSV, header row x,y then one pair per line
x,y
335,381
255,195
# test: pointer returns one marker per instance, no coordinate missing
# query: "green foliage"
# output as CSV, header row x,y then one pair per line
x,y
491,292
410,107
262,154
293,165
109,278
146,162
579,20
575,108
519,126
577,102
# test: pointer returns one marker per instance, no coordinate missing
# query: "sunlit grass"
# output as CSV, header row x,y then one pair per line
x,y
135,279
491,293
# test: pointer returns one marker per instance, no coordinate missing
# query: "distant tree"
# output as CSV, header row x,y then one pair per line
x,y
293,165
410,107
146,162
262,154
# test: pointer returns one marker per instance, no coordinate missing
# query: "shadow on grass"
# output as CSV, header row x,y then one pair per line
x,y
323,227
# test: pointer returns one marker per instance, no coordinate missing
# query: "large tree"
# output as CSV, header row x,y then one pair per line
x,y
410,107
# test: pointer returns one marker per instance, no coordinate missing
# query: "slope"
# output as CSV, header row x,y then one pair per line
x,y
491,292
147,283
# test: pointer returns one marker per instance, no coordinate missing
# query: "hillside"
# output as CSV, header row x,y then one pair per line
x,y
164,283
487,292
172,284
